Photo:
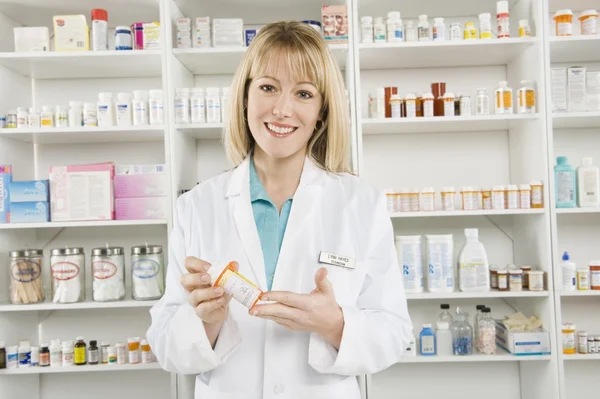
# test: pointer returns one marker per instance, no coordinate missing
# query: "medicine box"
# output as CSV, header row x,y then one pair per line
x,y
151,36
202,37
31,39
576,89
71,33
592,88
141,208
523,343
228,32
250,31
30,191
559,89
29,212
138,181
335,24
5,180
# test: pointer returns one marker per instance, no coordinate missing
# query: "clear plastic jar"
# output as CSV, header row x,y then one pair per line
x,y
108,274
526,97
198,105
213,105
67,269
75,114
61,118
26,283
156,108
486,333
147,272
462,334
366,29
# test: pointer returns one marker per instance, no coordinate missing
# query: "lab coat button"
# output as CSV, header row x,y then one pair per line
x,y
278,388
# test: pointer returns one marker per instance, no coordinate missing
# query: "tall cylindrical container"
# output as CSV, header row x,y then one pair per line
x,y
99,30
410,260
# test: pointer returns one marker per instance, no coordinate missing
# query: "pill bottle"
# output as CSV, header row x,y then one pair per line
x,y
213,105
140,108
234,284
428,199
124,110
410,103
198,105
61,117
564,23
34,119
106,117
428,104
47,116
22,118
525,196
35,356
470,31
156,108
75,114
123,38
67,351
11,119
112,355
448,194
396,105
486,198
395,29
90,118
449,104
465,105
104,352
526,270
498,197
80,352
439,29
366,29
379,31
146,352
524,29
537,194
404,199
387,95
595,275
456,31
423,28
502,280
482,102
99,30
536,280
589,22
419,107
485,26
583,279
503,98
512,197
526,98
224,103
502,19
515,280
478,197
182,106
121,353
410,32
469,200
133,350
390,198
494,277
568,338
414,199
582,342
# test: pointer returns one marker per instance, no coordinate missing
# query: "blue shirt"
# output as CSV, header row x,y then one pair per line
x,y
269,223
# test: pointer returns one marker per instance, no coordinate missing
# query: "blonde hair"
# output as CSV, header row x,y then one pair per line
x,y
308,56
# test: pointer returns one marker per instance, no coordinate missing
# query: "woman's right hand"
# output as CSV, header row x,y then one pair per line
x,y
210,303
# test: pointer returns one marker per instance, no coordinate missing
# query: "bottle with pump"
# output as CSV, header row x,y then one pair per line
x,y
569,273
566,184
473,266
588,183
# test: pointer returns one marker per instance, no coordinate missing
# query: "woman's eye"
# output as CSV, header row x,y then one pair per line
x,y
304,95
267,88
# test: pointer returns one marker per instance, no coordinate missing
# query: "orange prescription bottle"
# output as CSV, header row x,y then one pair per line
x,y
564,22
537,194
589,22
234,284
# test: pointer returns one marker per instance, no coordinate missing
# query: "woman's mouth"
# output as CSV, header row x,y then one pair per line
x,y
280,130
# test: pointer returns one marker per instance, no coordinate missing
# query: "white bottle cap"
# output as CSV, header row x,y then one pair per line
x,y
502,7
426,325
523,23
525,187
139,94
498,188
89,106
21,109
471,233
213,90
378,20
366,20
47,108
428,190
393,15
587,161
448,190
512,187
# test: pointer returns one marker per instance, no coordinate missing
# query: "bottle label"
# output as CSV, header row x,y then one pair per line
x,y
423,33
427,345
93,356
524,31
503,25
564,29
79,355
134,357
239,288
565,183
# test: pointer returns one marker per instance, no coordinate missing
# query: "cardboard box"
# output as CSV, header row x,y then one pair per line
x,y
250,31
576,89
5,180
592,88
71,33
30,191
334,20
523,343
138,181
559,89
31,39
141,208
29,212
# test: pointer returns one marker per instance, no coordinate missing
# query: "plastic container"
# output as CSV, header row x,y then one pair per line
x,y
106,113
34,119
428,105
583,279
525,196
524,28
410,259
569,273
156,108
515,280
568,339
198,105
589,22
588,184
502,19
75,114
443,339
512,196
90,115
140,108
470,32
448,198
428,199
423,28
582,342
410,32
124,110
213,105
595,275
439,29
22,118
482,102
526,97
366,29
566,184
234,284
473,266
449,99
537,194
504,98
536,280
455,31
47,116
486,333
410,104
123,38
485,26
427,341
395,27
379,31
99,34
564,23
440,263
61,116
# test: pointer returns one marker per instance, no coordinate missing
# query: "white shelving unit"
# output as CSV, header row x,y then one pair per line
x,y
388,153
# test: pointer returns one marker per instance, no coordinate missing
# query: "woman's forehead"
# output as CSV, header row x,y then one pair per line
x,y
286,65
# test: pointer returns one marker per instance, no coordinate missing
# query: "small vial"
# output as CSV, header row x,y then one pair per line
x,y
62,116
423,28
47,116
485,26
124,110
90,118
482,102
439,29
428,101
234,284
411,32
504,98
449,104
448,194
524,29
410,102
512,197
75,114
366,28
379,30
396,105
140,108
456,31
213,105
121,353
34,119
156,108
526,98
22,118
182,106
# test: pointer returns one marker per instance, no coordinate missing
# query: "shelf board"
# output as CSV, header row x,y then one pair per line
x,y
107,223
574,49
579,356
500,356
442,54
225,60
81,369
577,210
77,306
202,130
576,120
472,123
113,134
476,295
88,64
485,212
580,293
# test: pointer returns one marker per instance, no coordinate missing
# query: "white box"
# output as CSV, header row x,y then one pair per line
x,y
559,89
183,24
592,87
576,92
523,343
31,39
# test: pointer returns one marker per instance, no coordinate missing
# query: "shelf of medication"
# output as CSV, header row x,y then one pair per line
x,y
98,223
579,356
576,120
577,210
127,304
476,295
438,124
202,130
89,64
115,134
574,49
484,212
224,60
81,369
442,53
500,356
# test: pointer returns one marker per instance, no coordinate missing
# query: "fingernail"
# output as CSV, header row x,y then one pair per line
x,y
205,278
264,298
220,300
255,313
218,291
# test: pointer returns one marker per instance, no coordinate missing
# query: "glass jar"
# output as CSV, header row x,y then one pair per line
x,y
147,272
494,277
108,271
462,334
26,284
67,269
486,333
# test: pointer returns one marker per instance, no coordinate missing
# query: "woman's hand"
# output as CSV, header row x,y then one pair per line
x,y
316,312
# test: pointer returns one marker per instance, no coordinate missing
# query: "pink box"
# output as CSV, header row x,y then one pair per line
x,y
141,208
137,181
82,192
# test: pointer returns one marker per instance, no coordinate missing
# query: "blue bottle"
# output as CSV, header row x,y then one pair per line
x,y
427,341
565,181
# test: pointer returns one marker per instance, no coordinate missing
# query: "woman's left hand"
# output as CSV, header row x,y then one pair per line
x,y
316,312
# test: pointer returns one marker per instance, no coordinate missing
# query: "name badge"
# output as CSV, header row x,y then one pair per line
x,y
336,260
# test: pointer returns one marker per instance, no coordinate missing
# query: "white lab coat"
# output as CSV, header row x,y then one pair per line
x,y
255,358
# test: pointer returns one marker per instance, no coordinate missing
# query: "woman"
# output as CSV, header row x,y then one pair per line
x,y
313,237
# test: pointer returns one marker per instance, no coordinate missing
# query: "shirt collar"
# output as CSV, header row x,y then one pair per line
x,y
257,190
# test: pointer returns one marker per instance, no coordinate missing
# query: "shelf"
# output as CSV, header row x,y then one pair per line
x,y
576,120
225,60
577,210
474,123
442,54
88,64
81,369
579,356
85,135
107,223
76,306
202,130
500,356
476,295
485,212
580,293
572,49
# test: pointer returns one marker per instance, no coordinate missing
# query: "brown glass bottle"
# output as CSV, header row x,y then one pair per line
x,y
93,353
79,352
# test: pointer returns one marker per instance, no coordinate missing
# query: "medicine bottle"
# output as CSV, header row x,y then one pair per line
x,y
486,199
486,333
568,338
67,353
133,350
494,277
224,103
22,118
582,342
439,29
526,98
234,284
423,28
89,115
112,355
512,197
404,199
470,31
182,106
583,279
428,105
465,105
146,352
564,22
213,105
156,108
526,270
537,194
35,356
485,26
11,119
106,117
140,108
2,356
410,32
396,105
448,194
75,114
121,353
525,196
498,197
456,31
395,28
44,356
449,107
502,280
93,353
410,103
502,19
428,199
104,352
366,28
515,280
504,98
379,30
198,105
47,116
595,275
413,196
34,119
55,353
524,29
80,352
589,22
61,118
124,110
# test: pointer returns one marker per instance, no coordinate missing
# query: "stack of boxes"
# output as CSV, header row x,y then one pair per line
x,y
575,89
202,34
29,201
184,32
141,192
228,32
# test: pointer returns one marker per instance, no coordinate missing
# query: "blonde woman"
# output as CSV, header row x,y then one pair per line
x,y
315,239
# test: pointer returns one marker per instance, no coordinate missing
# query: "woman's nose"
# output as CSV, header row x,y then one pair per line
x,y
283,107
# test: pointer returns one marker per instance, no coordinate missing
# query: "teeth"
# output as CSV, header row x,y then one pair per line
x,y
280,130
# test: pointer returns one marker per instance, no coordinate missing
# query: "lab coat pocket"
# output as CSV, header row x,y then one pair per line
x,y
204,391
347,388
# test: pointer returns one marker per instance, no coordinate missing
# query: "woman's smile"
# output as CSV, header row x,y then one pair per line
x,y
279,129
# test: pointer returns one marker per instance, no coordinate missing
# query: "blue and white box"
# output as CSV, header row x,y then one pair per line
x,y
5,180
29,191
29,212
523,343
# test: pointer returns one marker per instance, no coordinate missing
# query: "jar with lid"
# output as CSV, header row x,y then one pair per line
x,y
486,333
25,269
448,194
366,28
428,105
410,103
147,272
504,97
456,31
61,117
133,350
34,119
22,118
67,269
502,280
485,26
395,29
526,97
582,342
482,102
470,32
47,116
515,280
156,109
108,272
90,116
396,105
449,104
568,338
462,334
75,114
564,22
379,30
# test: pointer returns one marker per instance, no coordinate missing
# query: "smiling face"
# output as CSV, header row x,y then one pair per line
x,y
283,109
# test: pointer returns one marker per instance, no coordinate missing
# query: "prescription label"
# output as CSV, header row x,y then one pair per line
x,y
239,288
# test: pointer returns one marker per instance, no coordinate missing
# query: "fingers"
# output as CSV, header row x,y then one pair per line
x,y
292,299
200,295
195,280
206,307
321,281
278,310
195,265
287,323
